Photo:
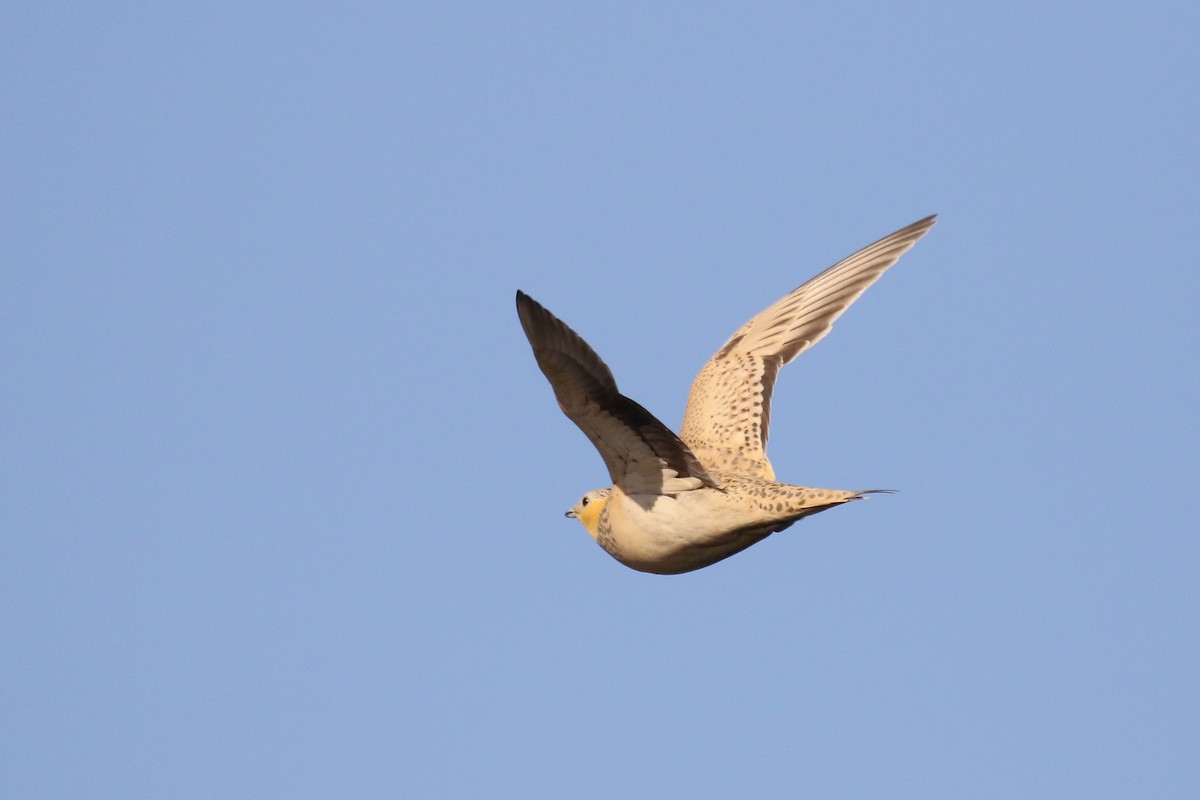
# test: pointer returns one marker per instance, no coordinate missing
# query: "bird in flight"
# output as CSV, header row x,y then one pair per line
x,y
683,502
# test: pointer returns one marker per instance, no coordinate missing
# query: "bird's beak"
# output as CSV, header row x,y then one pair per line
x,y
570,514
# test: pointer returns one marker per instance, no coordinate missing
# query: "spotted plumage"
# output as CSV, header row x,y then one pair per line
x,y
680,503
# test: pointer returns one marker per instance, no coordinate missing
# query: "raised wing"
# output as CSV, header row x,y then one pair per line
x,y
643,456
729,407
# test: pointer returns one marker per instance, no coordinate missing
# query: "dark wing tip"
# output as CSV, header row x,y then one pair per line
x,y
924,224
536,320
554,343
525,305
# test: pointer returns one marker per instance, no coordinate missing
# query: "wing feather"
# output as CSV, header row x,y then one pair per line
x,y
643,455
729,406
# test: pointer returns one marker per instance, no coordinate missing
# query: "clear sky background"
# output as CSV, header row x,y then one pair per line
x,y
281,487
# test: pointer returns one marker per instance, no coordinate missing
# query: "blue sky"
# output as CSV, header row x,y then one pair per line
x,y
282,487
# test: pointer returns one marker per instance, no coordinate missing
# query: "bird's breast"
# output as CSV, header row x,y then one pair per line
x,y
671,534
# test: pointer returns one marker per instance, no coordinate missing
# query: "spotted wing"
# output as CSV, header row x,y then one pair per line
x,y
729,407
642,455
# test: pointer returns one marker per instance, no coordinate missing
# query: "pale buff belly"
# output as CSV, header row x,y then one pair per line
x,y
669,535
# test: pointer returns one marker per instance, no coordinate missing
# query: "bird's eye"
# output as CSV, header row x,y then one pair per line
x,y
585,501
